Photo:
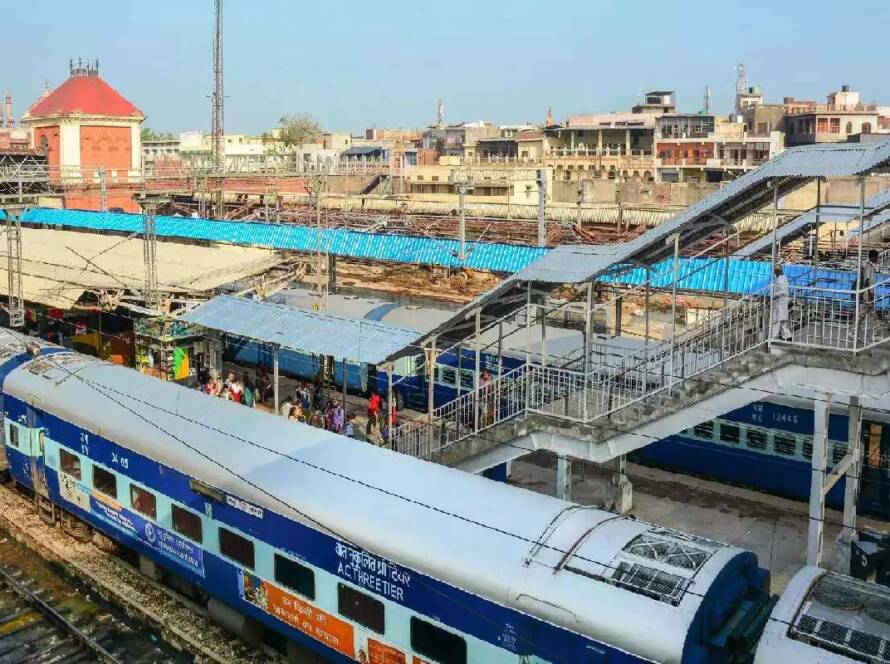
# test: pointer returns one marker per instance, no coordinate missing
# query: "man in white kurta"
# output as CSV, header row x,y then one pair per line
x,y
781,296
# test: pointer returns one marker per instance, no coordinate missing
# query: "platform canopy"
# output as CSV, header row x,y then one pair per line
x,y
349,339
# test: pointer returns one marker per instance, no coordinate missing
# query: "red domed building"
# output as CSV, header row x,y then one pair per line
x,y
85,125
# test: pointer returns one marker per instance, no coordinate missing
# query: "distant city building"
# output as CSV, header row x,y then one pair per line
x,y
160,154
747,99
614,146
840,119
504,185
704,148
657,101
452,140
397,135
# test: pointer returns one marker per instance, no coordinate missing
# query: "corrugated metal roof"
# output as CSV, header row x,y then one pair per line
x,y
493,257
827,214
350,339
571,263
58,266
708,275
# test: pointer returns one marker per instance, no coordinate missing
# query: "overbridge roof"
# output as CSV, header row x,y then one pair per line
x,y
350,339
583,264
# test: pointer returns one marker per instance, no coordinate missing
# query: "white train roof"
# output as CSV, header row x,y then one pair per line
x,y
828,618
613,578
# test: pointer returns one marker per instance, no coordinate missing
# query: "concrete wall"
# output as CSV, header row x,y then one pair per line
x,y
631,193
840,191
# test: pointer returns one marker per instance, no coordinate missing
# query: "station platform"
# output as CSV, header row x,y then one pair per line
x,y
774,528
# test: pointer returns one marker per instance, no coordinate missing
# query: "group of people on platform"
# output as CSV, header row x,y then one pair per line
x,y
307,404
241,390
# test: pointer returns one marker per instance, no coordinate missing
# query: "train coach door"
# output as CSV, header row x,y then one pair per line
x,y
37,436
38,462
874,493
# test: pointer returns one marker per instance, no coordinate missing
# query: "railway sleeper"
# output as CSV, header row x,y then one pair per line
x,y
46,509
75,528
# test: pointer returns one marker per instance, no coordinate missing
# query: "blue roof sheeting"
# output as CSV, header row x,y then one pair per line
x,y
708,275
493,257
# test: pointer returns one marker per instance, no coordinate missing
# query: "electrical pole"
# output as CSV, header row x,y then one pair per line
x,y
463,182
150,204
217,130
318,185
15,303
542,206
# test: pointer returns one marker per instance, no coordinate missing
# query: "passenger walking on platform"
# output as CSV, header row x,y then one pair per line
x,y
868,289
487,398
285,408
236,390
305,397
779,326
264,385
297,413
337,417
374,404
248,397
349,428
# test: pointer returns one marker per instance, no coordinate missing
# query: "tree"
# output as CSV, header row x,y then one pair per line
x,y
149,134
292,132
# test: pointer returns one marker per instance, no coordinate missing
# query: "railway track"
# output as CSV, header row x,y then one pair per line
x,y
46,617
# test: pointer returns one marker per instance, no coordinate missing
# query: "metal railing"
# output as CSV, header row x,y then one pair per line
x,y
833,318
597,152
841,319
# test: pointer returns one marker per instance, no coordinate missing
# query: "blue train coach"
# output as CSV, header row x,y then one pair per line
x,y
355,552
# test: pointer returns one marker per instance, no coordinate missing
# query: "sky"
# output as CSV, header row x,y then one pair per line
x,y
358,63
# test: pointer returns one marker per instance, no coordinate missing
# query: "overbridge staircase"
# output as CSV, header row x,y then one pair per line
x,y
381,185
723,363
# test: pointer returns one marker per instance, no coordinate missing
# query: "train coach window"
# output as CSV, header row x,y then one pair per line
x,y
467,379
105,482
188,524
295,576
144,501
756,439
784,445
808,450
447,376
361,608
838,452
13,435
70,464
437,644
704,430
236,547
729,433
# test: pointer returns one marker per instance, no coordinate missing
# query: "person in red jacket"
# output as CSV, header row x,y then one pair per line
x,y
374,406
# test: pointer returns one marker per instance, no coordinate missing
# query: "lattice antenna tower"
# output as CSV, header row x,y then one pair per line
x,y
217,129
707,100
741,79
440,113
